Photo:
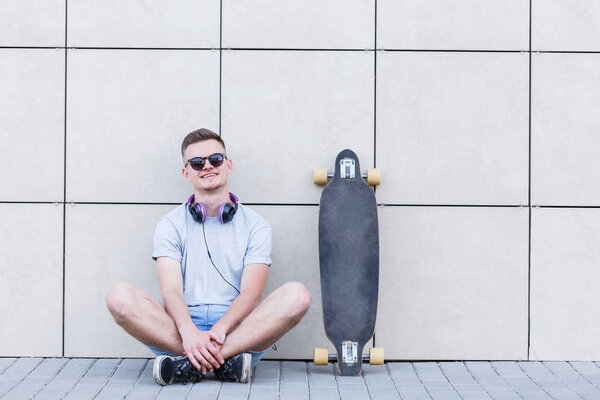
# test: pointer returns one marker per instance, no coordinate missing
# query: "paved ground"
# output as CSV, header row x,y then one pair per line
x,y
58,378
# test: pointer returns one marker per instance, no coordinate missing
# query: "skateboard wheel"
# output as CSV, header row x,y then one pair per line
x,y
374,176
376,356
321,356
320,176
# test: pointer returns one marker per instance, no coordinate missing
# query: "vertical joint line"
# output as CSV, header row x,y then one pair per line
x,y
375,102
64,208
220,60
529,198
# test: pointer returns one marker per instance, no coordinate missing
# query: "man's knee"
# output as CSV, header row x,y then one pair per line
x,y
119,300
299,297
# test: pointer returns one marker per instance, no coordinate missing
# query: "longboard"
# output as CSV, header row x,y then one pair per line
x,y
348,263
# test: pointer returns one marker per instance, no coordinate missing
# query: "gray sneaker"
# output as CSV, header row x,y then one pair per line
x,y
168,370
236,369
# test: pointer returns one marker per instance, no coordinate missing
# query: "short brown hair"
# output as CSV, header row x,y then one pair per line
x,y
200,135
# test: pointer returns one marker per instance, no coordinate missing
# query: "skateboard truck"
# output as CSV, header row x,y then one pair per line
x,y
349,352
321,355
347,168
347,171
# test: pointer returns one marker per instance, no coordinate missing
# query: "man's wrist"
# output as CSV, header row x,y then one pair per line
x,y
187,329
220,331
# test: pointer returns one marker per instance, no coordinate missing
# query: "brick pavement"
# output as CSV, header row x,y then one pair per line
x,y
87,378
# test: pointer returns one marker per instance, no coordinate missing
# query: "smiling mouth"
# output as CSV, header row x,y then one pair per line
x,y
208,176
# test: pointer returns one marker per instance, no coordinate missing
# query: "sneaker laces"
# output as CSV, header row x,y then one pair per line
x,y
186,372
226,372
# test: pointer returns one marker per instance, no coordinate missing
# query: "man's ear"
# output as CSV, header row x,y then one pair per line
x,y
185,174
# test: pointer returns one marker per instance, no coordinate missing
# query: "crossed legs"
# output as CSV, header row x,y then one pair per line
x,y
145,319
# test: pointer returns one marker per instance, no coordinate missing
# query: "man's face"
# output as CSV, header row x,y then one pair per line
x,y
210,177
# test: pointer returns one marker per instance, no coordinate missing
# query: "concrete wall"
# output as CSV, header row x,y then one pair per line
x,y
482,116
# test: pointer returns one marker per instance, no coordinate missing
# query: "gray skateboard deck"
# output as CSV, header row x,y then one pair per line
x,y
349,262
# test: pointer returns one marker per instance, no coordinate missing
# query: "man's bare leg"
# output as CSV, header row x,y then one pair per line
x,y
273,317
143,317
146,320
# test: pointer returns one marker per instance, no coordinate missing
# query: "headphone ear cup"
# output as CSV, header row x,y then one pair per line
x,y
198,212
226,212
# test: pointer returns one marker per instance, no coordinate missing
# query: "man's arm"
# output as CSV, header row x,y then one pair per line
x,y
254,279
197,344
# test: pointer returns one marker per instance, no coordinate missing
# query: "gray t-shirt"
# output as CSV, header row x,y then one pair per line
x,y
233,245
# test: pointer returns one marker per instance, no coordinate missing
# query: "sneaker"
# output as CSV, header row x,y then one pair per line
x,y
236,369
167,370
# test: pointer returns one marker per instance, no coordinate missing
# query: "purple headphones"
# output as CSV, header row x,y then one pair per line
x,y
226,210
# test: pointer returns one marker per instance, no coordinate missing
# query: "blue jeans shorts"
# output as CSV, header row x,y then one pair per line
x,y
204,317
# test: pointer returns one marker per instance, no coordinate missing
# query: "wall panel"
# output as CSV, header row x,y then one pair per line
x,y
32,23
32,124
127,113
565,255
563,25
144,23
285,113
32,276
452,128
565,151
106,244
453,24
453,283
299,24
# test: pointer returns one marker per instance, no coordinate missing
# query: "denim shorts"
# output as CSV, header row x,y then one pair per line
x,y
204,317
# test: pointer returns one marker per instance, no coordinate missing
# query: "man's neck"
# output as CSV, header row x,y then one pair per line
x,y
212,200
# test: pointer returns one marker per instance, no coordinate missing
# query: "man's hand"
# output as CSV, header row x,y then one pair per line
x,y
218,333
203,349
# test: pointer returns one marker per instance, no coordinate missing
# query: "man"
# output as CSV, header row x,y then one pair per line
x,y
212,256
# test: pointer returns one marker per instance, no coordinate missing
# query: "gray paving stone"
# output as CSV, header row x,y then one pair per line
x,y
37,379
130,370
457,373
321,376
179,391
207,389
94,379
66,379
416,396
589,371
583,385
6,362
127,375
294,395
385,396
266,370
145,387
356,396
270,384
329,393
410,387
429,372
379,382
349,380
17,372
233,390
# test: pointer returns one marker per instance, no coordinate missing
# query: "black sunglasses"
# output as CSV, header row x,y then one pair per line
x,y
197,163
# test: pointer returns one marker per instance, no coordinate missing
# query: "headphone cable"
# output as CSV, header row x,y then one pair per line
x,y
211,260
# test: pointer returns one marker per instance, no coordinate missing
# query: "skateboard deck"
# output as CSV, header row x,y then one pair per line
x,y
349,262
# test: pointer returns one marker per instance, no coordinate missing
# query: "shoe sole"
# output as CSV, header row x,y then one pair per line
x,y
246,368
156,370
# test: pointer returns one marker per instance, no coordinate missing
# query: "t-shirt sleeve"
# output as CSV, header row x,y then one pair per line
x,y
167,241
259,246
